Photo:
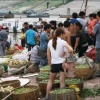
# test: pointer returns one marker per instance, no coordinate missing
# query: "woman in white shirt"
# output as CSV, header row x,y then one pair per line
x,y
54,51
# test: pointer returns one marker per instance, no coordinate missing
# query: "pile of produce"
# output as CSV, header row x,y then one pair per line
x,y
45,69
17,62
61,91
82,66
46,81
6,89
43,76
89,93
23,90
73,81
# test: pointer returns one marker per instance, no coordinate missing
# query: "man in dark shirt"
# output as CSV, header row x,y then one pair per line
x,y
3,39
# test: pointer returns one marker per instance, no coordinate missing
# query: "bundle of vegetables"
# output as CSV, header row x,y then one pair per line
x,y
74,81
84,71
63,94
43,85
89,93
26,93
45,69
43,76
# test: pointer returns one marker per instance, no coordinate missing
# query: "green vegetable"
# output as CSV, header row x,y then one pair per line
x,y
90,93
73,81
46,81
82,66
61,91
23,90
44,75
45,68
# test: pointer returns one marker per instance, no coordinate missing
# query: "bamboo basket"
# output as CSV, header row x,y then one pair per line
x,y
16,66
64,96
1,71
10,52
28,63
32,95
85,73
13,83
4,94
43,87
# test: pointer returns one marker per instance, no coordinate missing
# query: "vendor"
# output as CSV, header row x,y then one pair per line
x,y
3,39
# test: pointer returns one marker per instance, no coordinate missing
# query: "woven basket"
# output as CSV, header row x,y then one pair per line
x,y
1,71
64,96
28,63
43,87
32,95
13,83
85,73
42,71
3,95
16,66
9,52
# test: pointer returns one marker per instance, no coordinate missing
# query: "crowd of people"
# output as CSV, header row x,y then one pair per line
x,y
49,42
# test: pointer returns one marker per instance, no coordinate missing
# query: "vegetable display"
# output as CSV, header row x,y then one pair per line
x,y
73,81
61,91
23,90
82,66
90,93
17,62
45,68
46,81
44,75
6,89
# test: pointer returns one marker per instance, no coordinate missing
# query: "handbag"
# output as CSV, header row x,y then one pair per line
x,y
41,53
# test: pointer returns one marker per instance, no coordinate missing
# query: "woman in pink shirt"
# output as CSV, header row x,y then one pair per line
x,y
91,23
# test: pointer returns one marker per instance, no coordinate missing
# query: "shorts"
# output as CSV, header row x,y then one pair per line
x,y
56,68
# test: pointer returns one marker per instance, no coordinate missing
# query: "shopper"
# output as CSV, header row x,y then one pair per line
x,y
96,32
44,38
30,37
81,40
3,39
67,34
54,52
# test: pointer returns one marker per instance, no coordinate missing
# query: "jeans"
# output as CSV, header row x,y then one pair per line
x,y
2,49
43,62
30,47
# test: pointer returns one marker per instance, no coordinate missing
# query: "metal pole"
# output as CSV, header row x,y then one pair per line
x,y
86,6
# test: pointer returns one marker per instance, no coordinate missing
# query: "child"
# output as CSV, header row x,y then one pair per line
x,y
69,65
